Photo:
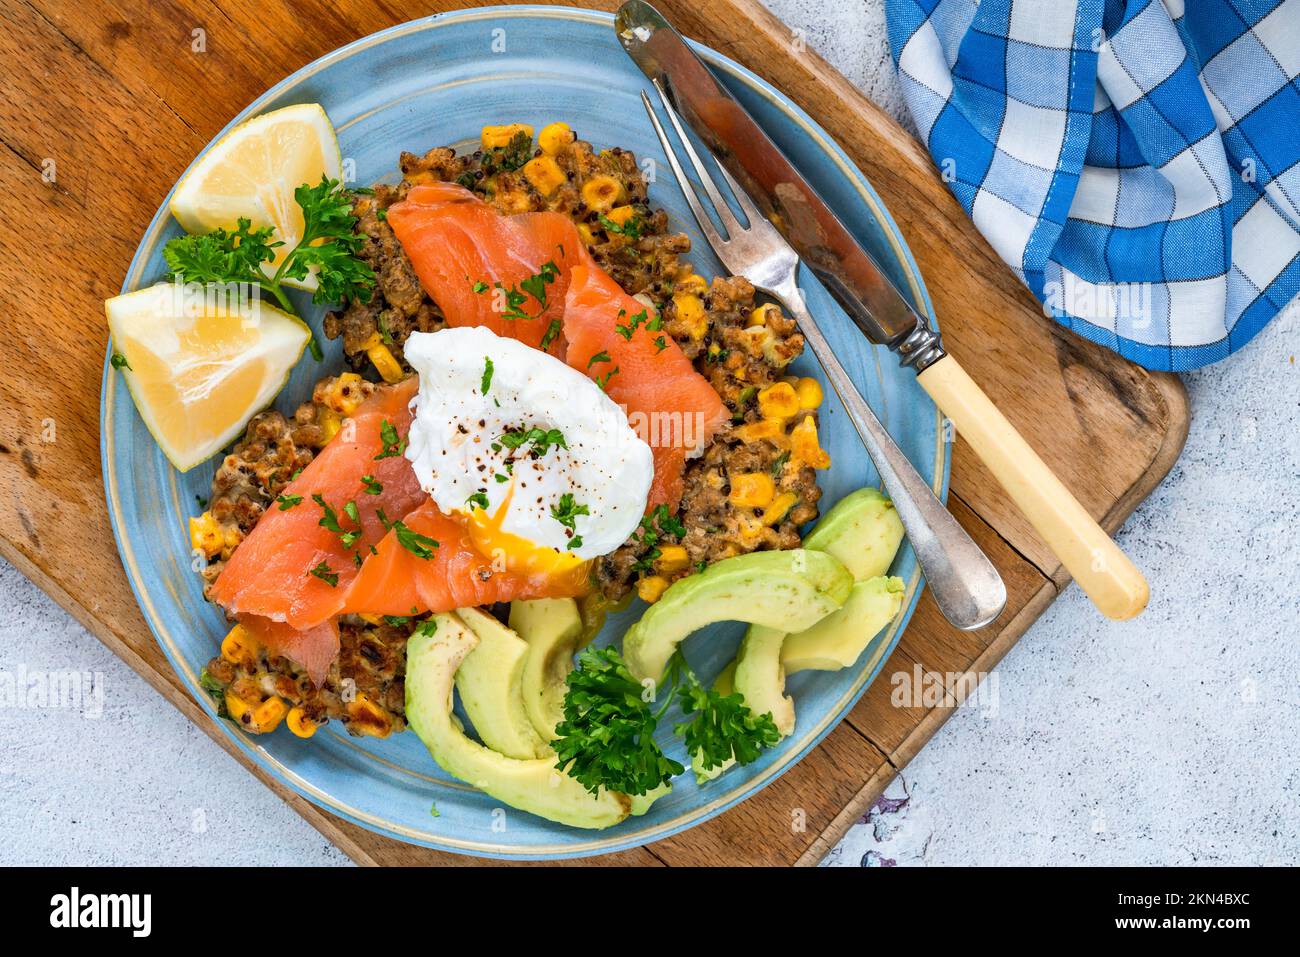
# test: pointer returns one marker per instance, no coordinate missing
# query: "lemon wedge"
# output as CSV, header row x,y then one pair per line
x,y
200,366
252,171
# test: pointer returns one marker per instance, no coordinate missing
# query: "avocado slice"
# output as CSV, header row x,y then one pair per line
x,y
553,630
839,639
785,590
862,530
760,679
534,786
490,682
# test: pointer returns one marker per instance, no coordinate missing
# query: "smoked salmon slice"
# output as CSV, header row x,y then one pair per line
x,y
398,581
314,649
615,339
297,563
508,273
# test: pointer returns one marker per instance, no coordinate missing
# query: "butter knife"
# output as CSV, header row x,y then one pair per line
x,y
878,309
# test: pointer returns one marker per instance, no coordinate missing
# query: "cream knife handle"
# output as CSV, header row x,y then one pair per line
x,y
1103,571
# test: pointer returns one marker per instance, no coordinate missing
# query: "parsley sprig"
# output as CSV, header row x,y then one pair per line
x,y
607,736
330,242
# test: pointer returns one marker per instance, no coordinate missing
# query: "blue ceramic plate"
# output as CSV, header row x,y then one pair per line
x,y
436,82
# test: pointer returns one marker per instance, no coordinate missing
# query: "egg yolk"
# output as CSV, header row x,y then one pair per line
x,y
521,556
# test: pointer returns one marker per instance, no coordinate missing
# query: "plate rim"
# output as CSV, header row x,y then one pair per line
x,y
868,669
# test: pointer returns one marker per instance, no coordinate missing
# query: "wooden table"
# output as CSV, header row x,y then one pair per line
x,y
104,105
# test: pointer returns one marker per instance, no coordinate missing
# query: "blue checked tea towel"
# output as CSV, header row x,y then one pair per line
x,y
1134,161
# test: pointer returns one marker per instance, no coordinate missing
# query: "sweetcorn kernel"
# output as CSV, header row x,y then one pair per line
x,y
545,175
602,193
586,235
805,446
758,315
329,422
770,429
752,490
778,401
779,508
238,708
651,588
268,715
690,311
298,722
383,361
239,647
621,214
368,719
810,393
205,535
690,281
344,393
494,136
554,137
672,558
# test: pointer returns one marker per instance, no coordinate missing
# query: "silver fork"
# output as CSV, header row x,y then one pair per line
x,y
965,585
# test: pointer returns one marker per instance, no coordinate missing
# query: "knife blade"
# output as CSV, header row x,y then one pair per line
x,y
825,245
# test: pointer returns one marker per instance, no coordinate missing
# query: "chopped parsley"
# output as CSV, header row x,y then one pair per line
x,y
567,511
640,319
535,285
322,571
480,286
541,440
631,228
656,526
552,333
372,487
478,498
486,382
396,621
598,357
661,344
393,444
428,627
421,546
287,502
603,380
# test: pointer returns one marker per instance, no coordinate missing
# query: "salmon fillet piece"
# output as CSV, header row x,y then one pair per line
x,y
668,404
270,575
507,273
397,581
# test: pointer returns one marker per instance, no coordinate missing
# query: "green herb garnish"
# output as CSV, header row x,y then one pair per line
x,y
607,736
393,444
330,244
322,571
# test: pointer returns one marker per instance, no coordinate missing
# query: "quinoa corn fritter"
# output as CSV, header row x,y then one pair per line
x,y
751,489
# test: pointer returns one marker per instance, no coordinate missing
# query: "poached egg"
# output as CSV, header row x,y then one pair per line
x,y
540,461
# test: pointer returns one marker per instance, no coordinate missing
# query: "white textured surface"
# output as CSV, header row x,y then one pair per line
x,y
1175,739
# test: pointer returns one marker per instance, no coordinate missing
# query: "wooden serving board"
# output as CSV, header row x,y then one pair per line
x,y
105,103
